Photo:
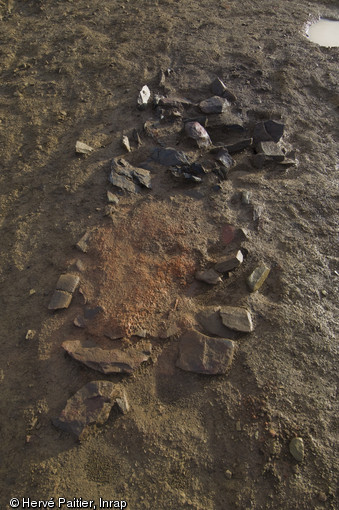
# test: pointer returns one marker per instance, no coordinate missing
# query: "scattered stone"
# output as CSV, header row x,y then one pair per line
x,y
297,448
162,78
246,197
236,318
219,89
268,131
208,276
225,159
79,265
112,199
173,102
169,157
214,104
270,150
239,146
123,182
122,402
30,334
144,96
198,132
136,137
206,355
142,176
128,177
227,122
32,292
88,407
82,245
238,426
228,474
68,282
79,321
82,148
257,278
60,299
125,143
230,262
210,320
107,361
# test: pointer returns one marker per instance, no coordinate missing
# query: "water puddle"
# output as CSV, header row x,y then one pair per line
x,y
324,32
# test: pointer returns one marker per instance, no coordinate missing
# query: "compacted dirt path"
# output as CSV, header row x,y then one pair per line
x,y
72,70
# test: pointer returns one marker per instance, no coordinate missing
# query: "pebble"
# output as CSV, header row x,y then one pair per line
x,y
236,318
112,199
60,299
245,197
208,276
205,355
30,334
214,104
32,292
122,402
82,244
230,262
228,474
297,448
68,282
82,148
143,97
198,132
257,277
125,143
225,158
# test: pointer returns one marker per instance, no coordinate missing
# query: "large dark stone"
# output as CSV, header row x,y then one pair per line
x,y
214,104
169,157
128,177
210,320
205,355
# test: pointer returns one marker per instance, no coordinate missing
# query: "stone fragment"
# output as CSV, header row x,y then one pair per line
x,y
174,102
125,143
219,89
107,361
205,355
225,158
228,474
32,292
260,134
230,262
68,282
236,318
297,448
227,121
246,197
112,199
214,104
79,321
198,133
169,157
60,299
88,407
208,276
239,146
143,97
142,176
270,150
82,148
83,244
136,137
210,320
162,78
274,129
30,334
128,177
257,277
123,182
122,402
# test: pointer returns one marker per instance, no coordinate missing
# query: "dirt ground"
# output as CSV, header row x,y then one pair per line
x,y
71,70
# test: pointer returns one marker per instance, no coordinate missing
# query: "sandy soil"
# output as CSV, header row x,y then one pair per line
x,y
71,70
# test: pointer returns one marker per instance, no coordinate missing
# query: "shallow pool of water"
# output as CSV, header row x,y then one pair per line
x,y
324,32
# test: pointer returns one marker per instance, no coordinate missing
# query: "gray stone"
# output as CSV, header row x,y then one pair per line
x,y
208,276
198,132
79,321
239,146
270,150
142,176
224,158
143,97
210,320
107,361
60,299
230,262
205,355
82,148
260,134
274,129
123,182
68,282
83,244
214,104
169,157
236,318
257,277
297,448
125,143
122,402
128,177
136,137
219,89
112,199
88,407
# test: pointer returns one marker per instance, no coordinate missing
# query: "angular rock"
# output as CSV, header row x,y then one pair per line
x,y
219,89
88,407
122,402
260,134
30,334
142,176
274,129
107,361
236,318
128,177
174,102
214,104
270,150
257,278
239,146
208,276
162,78
198,132
112,199
83,244
82,148
210,320
205,355
60,299
227,121
79,321
143,97
246,197
169,157
125,143
297,448
230,262
68,282
123,182
225,159
136,137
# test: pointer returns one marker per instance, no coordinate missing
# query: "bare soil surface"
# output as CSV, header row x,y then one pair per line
x,y
72,70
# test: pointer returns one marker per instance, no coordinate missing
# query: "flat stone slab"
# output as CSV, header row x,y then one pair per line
x,y
107,361
210,320
125,176
68,282
236,318
230,262
90,406
297,448
169,157
60,299
270,150
203,354
83,243
82,148
214,104
257,277
208,276
240,145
